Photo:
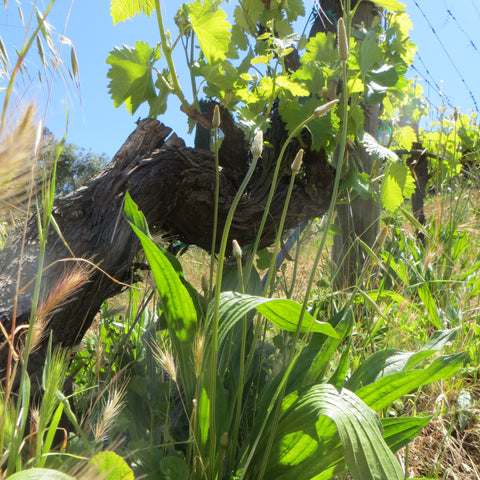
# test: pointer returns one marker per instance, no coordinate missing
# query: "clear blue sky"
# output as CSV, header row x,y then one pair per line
x,y
96,125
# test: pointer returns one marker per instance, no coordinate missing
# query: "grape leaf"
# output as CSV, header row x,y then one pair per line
x,y
122,10
322,129
391,5
321,48
158,104
293,87
397,185
211,28
405,136
374,148
370,53
131,75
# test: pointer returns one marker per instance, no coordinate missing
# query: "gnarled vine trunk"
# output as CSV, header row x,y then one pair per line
x,y
174,187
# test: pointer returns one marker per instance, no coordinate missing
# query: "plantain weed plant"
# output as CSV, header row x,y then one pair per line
x,y
324,423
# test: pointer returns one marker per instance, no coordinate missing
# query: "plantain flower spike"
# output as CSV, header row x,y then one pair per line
x,y
224,441
342,40
257,145
297,162
205,285
237,250
325,108
216,117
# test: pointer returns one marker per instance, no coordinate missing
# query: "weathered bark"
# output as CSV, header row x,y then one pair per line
x,y
359,217
418,164
174,187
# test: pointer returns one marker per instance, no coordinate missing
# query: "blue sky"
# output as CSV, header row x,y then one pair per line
x,y
96,125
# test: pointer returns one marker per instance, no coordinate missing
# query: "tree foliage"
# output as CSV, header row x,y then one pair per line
x,y
75,166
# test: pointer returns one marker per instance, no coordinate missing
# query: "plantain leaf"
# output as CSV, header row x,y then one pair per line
x,y
282,312
387,362
307,443
174,298
398,432
381,393
41,474
121,10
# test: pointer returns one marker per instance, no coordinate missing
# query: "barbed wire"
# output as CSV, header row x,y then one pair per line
x,y
459,26
429,84
448,55
433,84
475,7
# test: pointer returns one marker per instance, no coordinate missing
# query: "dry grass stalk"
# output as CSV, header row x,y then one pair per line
x,y
62,291
164,357
110,410
17,160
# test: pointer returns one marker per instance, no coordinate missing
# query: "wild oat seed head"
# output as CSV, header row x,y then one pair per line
x,y
17,159
63,290
164,357
112,407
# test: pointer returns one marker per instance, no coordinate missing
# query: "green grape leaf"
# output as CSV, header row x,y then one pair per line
x,y
321,48
386,76
131,75
294,9
391,5
158,104
360,182
397,185
374,148
370,53
211,28
322,129
405,136
122,10
294,88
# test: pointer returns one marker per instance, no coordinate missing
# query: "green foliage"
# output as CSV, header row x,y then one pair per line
x,y
40,473
131,75
254,387
210,27
318,431
110,466
122,10
74,166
